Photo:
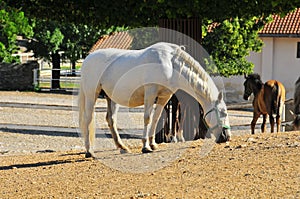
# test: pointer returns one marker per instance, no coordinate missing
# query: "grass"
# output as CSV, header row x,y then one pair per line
x,y
63,67
62,85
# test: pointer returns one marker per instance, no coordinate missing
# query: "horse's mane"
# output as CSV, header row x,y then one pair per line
x,y
195,71
192,63
255,77
298,81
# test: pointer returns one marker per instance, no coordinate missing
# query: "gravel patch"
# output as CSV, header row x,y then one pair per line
x,y
29,130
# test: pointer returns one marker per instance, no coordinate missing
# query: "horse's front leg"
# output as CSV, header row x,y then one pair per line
x,y
160,104
157,110
254,120
148,115
111,118
263,125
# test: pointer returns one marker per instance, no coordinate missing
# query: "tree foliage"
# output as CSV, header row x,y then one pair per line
x,y
230,42
47,39
78,40
147,12
53,39
13,23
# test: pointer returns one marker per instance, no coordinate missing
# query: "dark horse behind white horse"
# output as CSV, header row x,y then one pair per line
x,y
146,77
268,99
189,119
296,113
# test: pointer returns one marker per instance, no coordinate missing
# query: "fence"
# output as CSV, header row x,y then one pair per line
x,y
42,79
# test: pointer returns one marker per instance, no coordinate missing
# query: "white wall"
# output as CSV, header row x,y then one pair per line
x,y
276,61
286,66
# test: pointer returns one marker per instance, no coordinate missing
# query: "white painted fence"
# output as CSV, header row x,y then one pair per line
x,y
67,79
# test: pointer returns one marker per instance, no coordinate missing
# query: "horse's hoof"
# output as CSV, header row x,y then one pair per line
x,y
154,146
89,155
146,150
124,151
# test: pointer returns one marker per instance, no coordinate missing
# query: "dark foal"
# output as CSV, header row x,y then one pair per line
x,y
268,99
296,121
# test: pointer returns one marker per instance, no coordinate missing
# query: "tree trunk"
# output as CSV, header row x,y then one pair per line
x,y
73,68
55,71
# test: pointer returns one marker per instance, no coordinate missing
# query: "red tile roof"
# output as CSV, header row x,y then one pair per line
x,y
121,40
286,26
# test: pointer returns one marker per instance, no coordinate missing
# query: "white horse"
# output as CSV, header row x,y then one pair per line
x,y
146,77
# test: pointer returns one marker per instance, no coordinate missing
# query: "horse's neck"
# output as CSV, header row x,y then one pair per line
x,y
196,82
258,91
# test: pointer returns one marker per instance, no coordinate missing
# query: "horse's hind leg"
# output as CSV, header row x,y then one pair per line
x,y
263,125
272,122
179,136
280,112
111,118
278,122
87,127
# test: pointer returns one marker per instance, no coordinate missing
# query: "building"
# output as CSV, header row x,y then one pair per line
x,y
279,58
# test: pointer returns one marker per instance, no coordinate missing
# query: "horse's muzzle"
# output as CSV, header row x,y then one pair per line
x,y
296,123
246,97
224,137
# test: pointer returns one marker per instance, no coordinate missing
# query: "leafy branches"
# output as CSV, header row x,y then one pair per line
x,y
230,42
13,23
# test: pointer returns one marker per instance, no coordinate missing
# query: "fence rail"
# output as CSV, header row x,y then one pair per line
x,y
42,78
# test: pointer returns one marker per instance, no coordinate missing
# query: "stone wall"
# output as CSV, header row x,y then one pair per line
x,y
17,76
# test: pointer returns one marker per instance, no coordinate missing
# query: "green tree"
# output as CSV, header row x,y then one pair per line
x,y
13,23
53,41
146,13
230,42
74,43
78,40
46,44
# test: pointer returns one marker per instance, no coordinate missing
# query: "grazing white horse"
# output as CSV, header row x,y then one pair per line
x,y
146,77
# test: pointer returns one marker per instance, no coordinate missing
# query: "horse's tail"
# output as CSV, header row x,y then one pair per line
x,y
81,104
275,98
85,126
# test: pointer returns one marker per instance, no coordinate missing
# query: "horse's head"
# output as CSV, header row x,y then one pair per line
x,y
296,121
218,121
252,84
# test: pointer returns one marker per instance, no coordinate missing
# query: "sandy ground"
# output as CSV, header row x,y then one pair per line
x,y
41,156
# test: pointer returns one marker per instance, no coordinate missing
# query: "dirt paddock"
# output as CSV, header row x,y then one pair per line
x,y
250,166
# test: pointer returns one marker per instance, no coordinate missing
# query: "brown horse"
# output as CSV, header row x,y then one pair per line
x,y
268,99
296,122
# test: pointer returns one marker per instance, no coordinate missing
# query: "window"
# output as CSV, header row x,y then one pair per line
x,y
298,49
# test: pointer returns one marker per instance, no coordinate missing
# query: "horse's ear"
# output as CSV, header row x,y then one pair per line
x,y
245,76
293,114
220,96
